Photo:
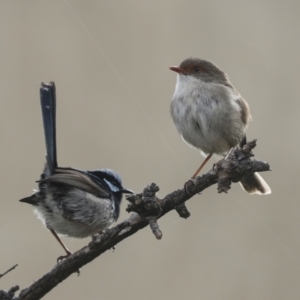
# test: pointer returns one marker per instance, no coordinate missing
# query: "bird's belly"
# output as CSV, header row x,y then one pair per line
x,y
203,139
78,222
205,129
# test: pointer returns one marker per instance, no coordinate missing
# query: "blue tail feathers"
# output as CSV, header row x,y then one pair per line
x,y
48,106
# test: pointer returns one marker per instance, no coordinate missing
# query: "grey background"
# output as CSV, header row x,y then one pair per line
x,y
110,63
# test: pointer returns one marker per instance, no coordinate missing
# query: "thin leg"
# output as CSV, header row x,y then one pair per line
x,y
65,248
202,165
228,153
59,240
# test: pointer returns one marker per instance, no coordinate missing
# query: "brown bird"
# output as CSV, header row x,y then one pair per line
x,y
211,115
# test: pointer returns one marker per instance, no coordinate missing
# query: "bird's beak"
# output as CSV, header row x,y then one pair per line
x,y
178,70
126,191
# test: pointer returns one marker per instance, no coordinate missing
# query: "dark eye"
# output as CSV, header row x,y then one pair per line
x,y
196,69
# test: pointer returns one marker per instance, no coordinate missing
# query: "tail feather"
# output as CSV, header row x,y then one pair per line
x,y
255,184
48,106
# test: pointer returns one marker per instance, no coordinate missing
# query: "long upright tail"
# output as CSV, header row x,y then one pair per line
x,y
48,106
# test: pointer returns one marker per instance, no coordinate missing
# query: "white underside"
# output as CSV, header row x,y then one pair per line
x,y
213,108
94,216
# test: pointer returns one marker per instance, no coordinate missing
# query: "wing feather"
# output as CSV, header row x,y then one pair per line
x,y
80,180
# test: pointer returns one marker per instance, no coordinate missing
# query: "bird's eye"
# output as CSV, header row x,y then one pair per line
x,y
196,69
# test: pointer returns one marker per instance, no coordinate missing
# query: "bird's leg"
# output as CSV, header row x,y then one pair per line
x,y
228,153
196,173
202,165
65,248
62,244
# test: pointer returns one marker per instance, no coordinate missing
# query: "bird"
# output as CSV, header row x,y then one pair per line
x,y
72,202
211,115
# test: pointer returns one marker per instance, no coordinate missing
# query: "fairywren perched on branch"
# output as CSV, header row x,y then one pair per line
x,y
211,115
72,202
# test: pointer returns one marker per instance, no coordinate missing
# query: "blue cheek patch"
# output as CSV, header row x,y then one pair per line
x,y
112,187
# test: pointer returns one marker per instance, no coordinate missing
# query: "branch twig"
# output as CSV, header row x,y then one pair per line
x,y
1,275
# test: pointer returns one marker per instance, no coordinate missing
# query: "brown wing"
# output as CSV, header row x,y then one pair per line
x,y
245,111
79,180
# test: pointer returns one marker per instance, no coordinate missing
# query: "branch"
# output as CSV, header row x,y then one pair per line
x,y
146,209
12,268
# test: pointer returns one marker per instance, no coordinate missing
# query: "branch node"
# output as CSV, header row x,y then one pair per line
x,y
224,184
134,198
145,204
154,227
10,295
182,211
234,166
248,147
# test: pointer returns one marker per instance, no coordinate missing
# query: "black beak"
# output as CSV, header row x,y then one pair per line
x,y
126,191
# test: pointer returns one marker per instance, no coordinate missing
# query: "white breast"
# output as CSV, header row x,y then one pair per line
x,y
206,114
86,214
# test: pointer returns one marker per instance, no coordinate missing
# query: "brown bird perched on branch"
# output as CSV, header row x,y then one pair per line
x,y
211,115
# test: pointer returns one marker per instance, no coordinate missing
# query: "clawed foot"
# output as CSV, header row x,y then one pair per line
x,y
97,236
186,186
62,257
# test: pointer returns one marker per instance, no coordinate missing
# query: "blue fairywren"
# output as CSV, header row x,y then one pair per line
x,y
72,202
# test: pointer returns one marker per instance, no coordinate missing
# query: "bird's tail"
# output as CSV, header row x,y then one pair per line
x,y
255,184
48,106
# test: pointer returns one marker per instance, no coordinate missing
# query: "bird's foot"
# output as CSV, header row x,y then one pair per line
x,y
62,257
187,185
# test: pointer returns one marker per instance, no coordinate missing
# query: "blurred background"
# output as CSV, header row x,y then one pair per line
x,y
110,62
